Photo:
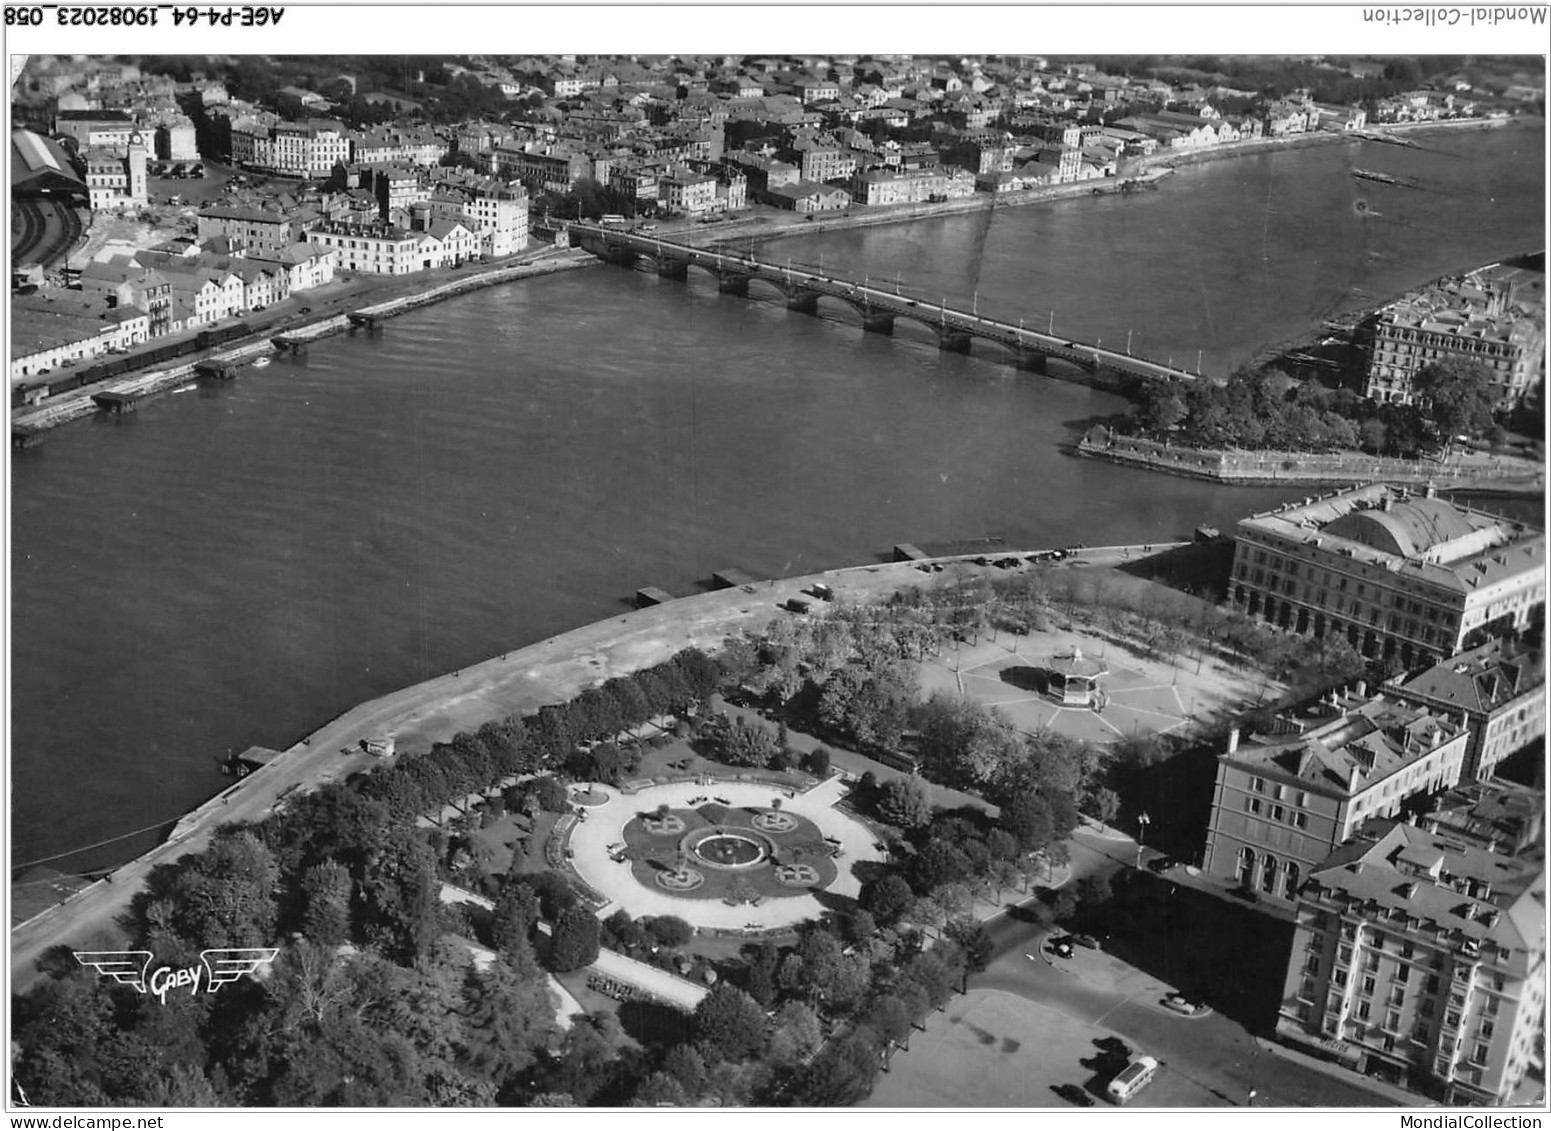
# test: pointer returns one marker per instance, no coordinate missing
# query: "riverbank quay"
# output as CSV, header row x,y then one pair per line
x,y
757,230
1391,133
1473,471
518,682
130,390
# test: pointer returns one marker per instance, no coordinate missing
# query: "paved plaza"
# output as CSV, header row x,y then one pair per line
x,y
1144,695
594,842
999,1050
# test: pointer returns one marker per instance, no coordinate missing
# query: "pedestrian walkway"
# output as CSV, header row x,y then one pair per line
x,y
1399,1096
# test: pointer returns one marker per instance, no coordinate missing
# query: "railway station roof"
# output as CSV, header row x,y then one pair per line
x,y
40,165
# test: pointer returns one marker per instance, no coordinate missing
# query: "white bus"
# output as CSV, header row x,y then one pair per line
x,y
1132,1079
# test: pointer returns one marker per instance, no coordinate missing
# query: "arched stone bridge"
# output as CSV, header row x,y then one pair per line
x,y
879,309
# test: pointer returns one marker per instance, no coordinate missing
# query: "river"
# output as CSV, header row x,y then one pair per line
x,y
236,564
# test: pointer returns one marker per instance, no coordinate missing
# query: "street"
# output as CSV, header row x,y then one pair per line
x,y
1217,1055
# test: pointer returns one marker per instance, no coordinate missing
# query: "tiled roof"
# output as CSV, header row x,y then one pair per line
x,y
1375,740
1482,895
1481,679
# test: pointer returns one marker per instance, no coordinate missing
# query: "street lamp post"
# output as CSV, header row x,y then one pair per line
x,y
1141,823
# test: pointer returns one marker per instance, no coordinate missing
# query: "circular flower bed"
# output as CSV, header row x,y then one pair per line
x,y
796,875
589,796
727,852
774,822
686,880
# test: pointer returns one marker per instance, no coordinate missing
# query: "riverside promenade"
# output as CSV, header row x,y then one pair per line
x,y
518,682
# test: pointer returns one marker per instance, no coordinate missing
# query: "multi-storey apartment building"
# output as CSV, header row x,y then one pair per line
x,y
1413,576
544,168
638,181
175,136
1499,688
1420,958
396,188
125,283
257,230
1476,318
388,147
683,190
1059,164
375,249
308,149
305,265
498,216
820,161
385,249
883,187
205,288
1285,801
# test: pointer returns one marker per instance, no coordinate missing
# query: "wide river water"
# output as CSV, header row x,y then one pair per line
x,y
235,565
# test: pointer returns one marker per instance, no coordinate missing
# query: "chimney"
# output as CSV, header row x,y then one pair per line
x,y
1354,775
1233,740
1430,491
1362,689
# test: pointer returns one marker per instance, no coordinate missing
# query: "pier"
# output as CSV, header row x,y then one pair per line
x,y
219,368
116,403
803,289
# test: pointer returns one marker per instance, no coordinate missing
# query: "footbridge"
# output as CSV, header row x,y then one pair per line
x,y
802,288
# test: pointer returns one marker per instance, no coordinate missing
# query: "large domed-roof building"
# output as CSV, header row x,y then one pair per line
x,y
1404,575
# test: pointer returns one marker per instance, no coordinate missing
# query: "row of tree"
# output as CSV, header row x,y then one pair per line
x,y
518,745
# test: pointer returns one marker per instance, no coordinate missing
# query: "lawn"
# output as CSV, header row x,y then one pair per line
x,y
736,853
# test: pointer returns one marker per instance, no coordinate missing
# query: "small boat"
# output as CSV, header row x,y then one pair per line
x,y
259,363
1370,175
1387,179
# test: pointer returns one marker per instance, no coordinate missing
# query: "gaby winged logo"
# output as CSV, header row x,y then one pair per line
x,y
220,965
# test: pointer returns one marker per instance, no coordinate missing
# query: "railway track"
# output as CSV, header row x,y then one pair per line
x,y
25,242
49,229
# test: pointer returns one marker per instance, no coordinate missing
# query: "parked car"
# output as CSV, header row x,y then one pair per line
x,y
1073,1094
1159,864
1179,1003
1087,941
